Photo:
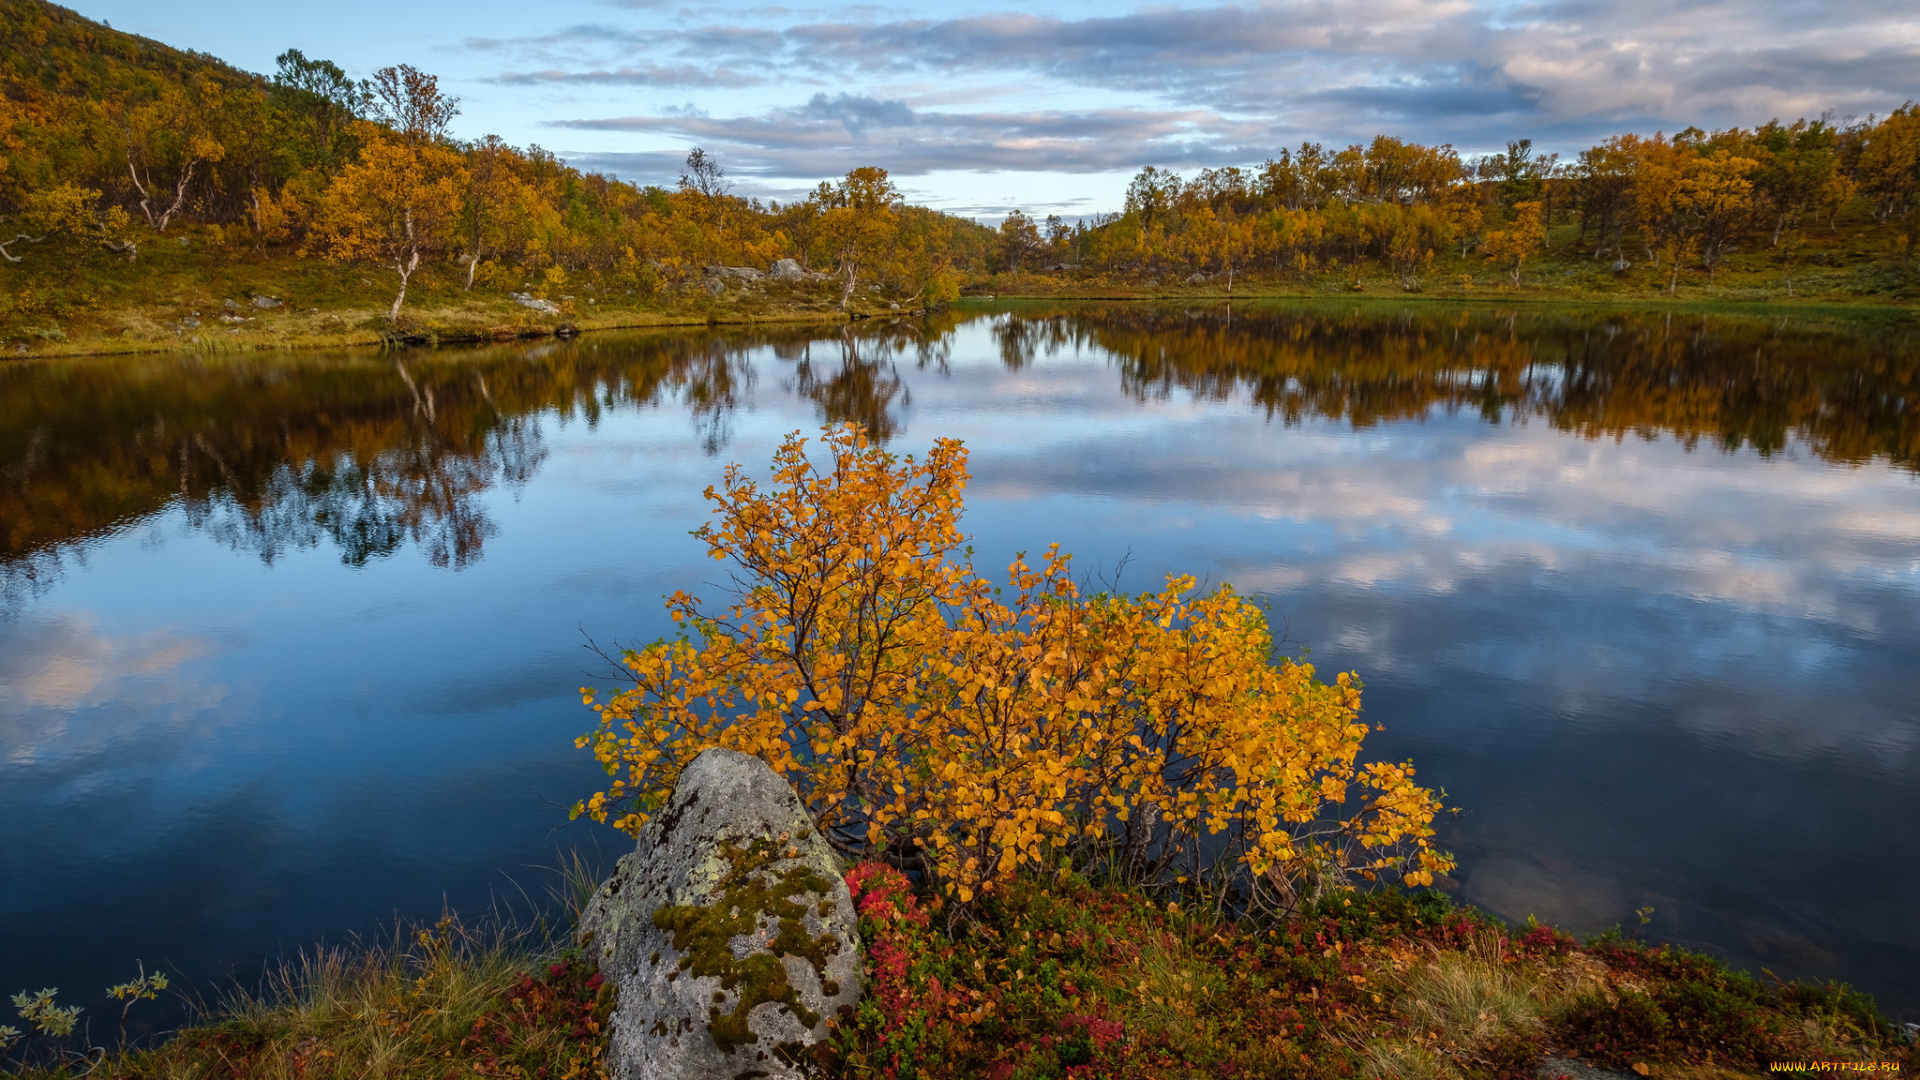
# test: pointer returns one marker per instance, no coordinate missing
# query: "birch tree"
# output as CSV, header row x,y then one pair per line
x,y
397,205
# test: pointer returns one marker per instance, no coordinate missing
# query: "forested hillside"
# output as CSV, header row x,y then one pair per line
x,y
141,185
111,141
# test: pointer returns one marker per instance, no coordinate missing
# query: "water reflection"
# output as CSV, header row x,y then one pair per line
x,y
1642,593
364,455
370,454
1850,396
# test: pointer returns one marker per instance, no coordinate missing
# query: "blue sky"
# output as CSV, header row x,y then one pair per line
x,y
979,108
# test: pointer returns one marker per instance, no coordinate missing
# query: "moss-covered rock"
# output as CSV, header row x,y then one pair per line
x,y
729,932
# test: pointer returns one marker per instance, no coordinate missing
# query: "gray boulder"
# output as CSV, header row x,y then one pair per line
x,y
1621,266
266,303
544,307
728,932
788,270
716,286
736,273
1196,278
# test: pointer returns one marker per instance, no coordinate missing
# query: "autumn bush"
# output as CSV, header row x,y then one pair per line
x,y
963,731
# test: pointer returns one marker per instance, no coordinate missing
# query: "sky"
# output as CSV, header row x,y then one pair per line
x,y
979,108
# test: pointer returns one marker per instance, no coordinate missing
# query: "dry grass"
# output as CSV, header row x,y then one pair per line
x,y
500,997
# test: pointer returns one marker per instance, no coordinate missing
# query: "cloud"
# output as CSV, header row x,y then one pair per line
x,y
828,135
638,75
856,113
1241,79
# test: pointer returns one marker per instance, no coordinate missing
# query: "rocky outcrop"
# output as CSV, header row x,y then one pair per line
x,y
728,932
544,307
745,274
789,270
267,303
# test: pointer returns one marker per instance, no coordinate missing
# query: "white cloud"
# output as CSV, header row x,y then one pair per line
x,y
1228,83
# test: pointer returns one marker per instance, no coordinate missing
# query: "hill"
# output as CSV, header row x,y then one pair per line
x,y
148,193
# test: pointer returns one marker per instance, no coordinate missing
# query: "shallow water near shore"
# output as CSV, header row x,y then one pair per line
x,y
290,644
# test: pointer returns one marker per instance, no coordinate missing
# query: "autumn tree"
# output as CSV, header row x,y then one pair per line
x,y
398,204
1797,167
1416,233
494,191
166,141
1019,241
928,719
1603,192
65,209
1152,195
1717,198
1525,233
858,224
1888,162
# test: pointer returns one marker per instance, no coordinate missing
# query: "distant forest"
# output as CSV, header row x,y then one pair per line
x,y
107,139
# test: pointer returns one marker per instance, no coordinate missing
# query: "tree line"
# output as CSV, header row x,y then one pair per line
x,y
1676,201
113,140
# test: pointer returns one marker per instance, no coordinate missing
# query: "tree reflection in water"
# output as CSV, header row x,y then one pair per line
x,y
1849,391
369,453
366,454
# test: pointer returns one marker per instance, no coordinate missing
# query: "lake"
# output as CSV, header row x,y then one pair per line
x,y
290,644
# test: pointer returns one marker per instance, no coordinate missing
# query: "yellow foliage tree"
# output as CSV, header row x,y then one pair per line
x,y
928,720
1718,196
859,224
1524,235
397,204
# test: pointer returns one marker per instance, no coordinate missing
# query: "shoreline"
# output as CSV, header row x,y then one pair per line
x,y
436,328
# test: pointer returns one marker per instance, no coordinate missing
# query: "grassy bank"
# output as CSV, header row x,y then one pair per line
x,y
1845,266
1065,977
194,289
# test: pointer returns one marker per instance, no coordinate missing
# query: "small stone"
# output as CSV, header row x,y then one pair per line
x,y
544,307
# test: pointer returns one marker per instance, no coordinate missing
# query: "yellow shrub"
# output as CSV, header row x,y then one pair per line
x,y
923,714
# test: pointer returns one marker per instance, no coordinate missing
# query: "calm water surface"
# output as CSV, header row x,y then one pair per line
x,y
289,645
